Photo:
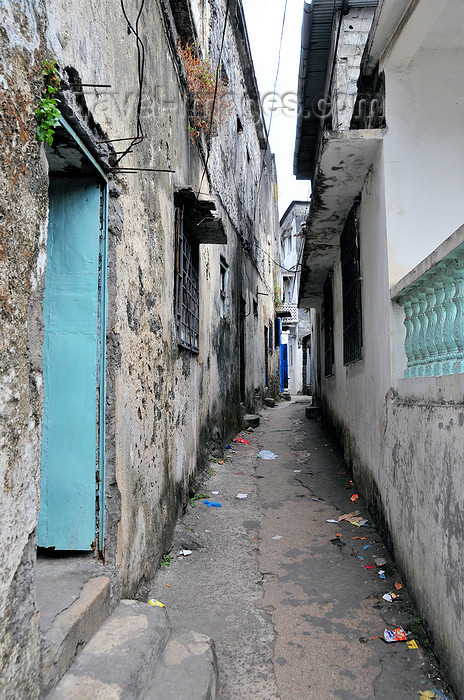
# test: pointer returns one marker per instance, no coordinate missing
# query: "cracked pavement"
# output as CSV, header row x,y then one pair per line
x,y
283,592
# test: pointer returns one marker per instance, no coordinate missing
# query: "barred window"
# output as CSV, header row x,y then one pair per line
x,y
186,286
351,285
327,319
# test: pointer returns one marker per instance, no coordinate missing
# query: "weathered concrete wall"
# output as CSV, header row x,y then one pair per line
x,y
23,227
354,30
425,499
166,408
403,439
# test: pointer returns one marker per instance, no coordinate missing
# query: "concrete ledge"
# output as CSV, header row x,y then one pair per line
x,y
250,420
188,670
313,412
73,628
120,660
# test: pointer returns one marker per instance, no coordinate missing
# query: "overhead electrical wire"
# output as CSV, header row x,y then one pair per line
x,y
140,74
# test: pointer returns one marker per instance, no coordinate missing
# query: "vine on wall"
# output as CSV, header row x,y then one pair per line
x,y
201,81
47,113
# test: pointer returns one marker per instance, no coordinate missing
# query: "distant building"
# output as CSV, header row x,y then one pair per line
x,y
293,321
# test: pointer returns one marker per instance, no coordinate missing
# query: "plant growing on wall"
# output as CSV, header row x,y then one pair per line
x,y
277,292
47,113
201,82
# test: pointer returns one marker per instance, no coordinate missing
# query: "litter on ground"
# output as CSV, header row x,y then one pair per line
x,y
242,495
241,440
396,635
412,644
347,516
429,694
185,552
277,537
215,504
379,561
156,603
266,454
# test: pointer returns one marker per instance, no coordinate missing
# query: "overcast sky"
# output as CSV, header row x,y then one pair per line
x,y
264,24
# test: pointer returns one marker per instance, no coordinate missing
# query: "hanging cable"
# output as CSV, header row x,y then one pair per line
x,y
140,72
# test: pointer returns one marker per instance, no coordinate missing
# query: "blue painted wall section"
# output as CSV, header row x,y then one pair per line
x,y
68,488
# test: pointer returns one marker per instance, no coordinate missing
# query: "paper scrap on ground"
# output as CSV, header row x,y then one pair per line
x,y
332,521
412,644
242,495
156,603
214,493
267,454
347,516
297,471
379,561
277,537
185,552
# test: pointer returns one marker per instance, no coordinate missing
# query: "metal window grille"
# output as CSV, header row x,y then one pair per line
x,y
351,285
328,321
187,287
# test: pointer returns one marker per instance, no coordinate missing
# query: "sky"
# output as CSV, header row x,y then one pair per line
x,y
264,24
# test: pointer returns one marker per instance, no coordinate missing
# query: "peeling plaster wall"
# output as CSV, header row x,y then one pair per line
x,y
355,26
166,408
23,214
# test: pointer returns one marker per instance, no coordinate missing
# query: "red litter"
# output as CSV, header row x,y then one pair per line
x,y
396,635
244,442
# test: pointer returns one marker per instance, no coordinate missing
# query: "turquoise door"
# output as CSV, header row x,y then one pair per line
x,y
67,518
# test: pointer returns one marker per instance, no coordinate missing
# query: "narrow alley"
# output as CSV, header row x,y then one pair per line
x,y
291,595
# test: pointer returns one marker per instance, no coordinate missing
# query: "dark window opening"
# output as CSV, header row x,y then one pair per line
x,y
351,286
255,308
277,323
328,322
224,273
186,287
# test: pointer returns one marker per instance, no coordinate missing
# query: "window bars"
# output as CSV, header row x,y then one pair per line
x,y
328,321
351,285
186,287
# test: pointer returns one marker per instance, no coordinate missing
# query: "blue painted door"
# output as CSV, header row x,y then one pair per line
x,y
71,307
283,366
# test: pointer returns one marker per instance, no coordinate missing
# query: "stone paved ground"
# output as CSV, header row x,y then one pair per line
x,y
291,607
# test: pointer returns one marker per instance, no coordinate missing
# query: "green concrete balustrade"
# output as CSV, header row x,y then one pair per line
x,y
433,308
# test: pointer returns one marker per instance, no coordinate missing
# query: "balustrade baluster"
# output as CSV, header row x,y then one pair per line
x,y
448,270
441,316
416,324
406,303
421,342
431,325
